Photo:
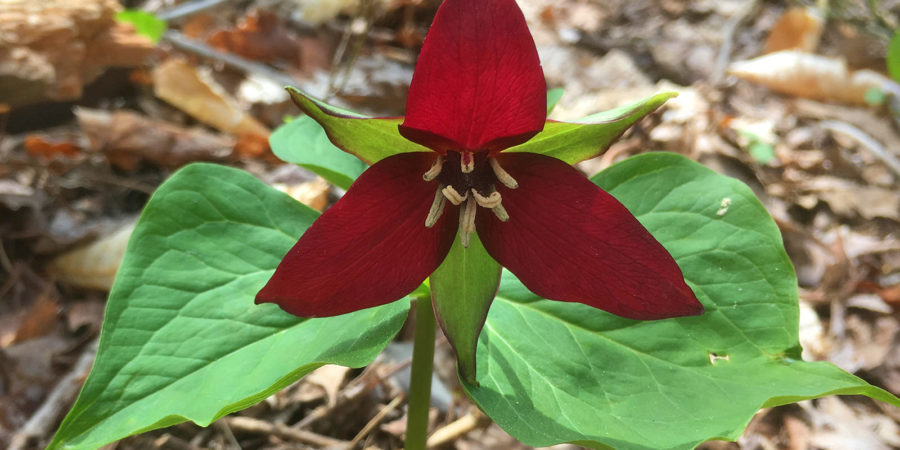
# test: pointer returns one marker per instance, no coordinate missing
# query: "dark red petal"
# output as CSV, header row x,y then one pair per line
x,y
370,248
567,239
478,84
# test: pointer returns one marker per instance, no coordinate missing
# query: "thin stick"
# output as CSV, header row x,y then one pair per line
x,y
44,419
187,9
420,380
375,421
251,425
718,73
229,436
865,141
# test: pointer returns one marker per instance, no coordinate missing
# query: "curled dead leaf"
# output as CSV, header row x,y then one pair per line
x,y
195,92
804,75
49,148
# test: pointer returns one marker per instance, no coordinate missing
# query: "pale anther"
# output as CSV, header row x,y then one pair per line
x,y
454,196
501,213
435,169
466,162
502,175
491,201
437,208
467,222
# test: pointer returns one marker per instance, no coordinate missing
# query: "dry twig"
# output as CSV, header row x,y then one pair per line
x,y
376,420
865,141
251,425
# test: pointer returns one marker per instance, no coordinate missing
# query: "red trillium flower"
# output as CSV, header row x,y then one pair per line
x,y
478,89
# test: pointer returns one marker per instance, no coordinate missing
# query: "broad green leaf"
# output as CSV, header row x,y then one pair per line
x,y
554,372
368,138
302,141
893,56
592,135
145,23
462,289
182,339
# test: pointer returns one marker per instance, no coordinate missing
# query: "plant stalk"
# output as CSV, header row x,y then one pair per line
x,y
420,379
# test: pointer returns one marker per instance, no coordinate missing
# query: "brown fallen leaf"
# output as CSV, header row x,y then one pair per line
x,y
39,320
85,313
194,91
801,74
796,29
260,36
128,137
49,148
93,266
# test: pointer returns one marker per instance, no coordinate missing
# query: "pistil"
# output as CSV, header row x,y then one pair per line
x,y
466,162
467,222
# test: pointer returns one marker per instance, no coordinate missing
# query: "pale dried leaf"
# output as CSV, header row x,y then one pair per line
x,y
93,266
325,382
812,333
195,92
847,198
311,193
840,427
804,75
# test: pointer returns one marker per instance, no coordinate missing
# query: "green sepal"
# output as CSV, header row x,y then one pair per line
x,y
590,136
553,97
370,139
462,289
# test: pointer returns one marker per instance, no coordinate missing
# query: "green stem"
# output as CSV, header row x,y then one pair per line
x,y
420,382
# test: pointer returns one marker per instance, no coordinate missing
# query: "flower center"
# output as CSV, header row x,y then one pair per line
x,y
468,179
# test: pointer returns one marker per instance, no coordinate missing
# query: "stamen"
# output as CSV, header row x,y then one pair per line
x,y
466,162
501,213
437,208
502,175
467,222
435,169
454,196
491,201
